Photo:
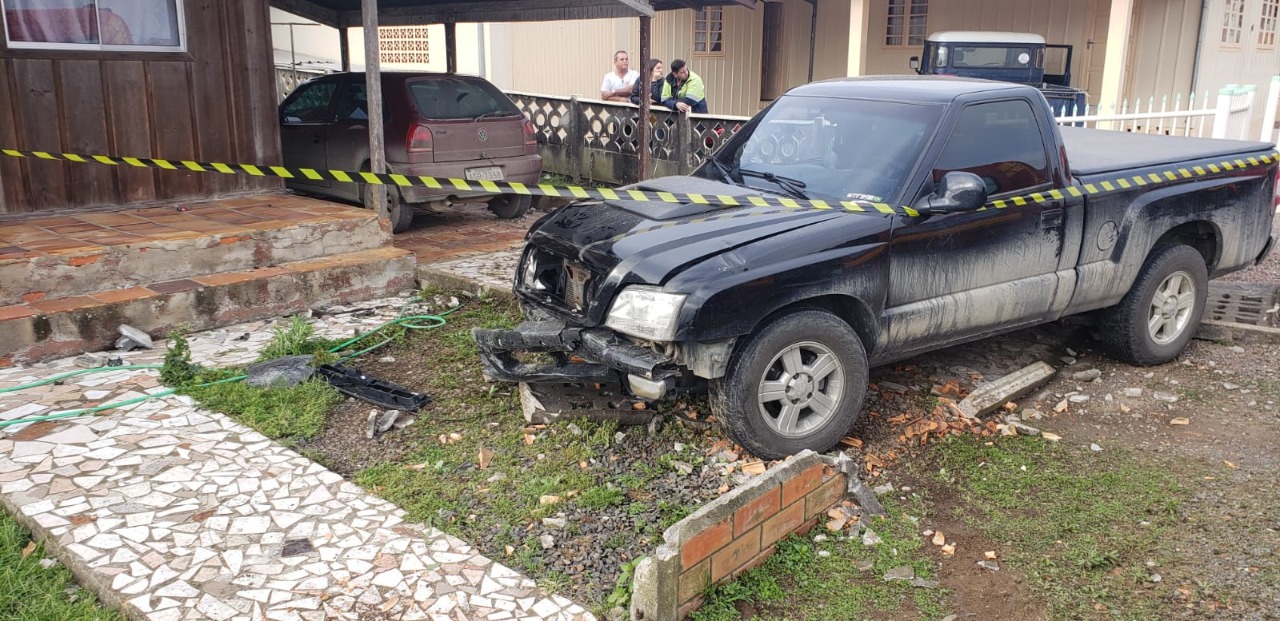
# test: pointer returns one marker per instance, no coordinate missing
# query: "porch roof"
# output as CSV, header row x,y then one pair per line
x,y
340,13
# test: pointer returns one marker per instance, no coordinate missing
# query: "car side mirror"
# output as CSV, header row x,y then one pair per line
x,y
914,63
958,191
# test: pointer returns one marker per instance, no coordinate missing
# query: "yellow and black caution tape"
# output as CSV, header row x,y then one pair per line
x,y
1118,184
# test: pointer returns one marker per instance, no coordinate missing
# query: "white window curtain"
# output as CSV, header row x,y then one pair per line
x,y
131,25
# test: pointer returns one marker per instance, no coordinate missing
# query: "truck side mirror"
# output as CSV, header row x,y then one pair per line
x,y
958,191
914,63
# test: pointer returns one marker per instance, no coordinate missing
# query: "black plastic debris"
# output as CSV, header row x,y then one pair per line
x,y
297,547
353,383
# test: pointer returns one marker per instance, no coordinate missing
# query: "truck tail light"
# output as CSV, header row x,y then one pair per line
x,y
1275,199
419,139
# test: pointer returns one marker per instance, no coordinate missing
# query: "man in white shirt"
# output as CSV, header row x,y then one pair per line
x,y
617,83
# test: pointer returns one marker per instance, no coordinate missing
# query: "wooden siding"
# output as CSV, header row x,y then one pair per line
x,y
732,79
216,102
1247,63
1164,49
561,58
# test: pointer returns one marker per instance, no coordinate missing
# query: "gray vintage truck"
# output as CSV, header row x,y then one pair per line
x,y
998,220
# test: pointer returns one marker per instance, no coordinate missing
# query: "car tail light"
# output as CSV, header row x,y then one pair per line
x,y
419,140
530,135
1276,194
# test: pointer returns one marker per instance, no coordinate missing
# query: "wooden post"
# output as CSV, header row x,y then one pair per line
x,y
684,144
451,47
344,44
375,196
576,137
642,127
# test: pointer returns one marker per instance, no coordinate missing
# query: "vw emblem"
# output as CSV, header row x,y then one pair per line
x,y
482,135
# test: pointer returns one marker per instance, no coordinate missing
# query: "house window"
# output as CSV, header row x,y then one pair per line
x,y
908,22
404,44
708,32
1267,27
116,25
1233,22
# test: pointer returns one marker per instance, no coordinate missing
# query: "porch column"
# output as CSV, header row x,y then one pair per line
x,y
859,22
451,47
375,195
1113,69
344,44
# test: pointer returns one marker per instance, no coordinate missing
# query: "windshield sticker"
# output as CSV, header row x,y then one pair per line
x,y
871,198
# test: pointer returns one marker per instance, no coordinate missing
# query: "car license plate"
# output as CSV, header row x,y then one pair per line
x,y
488,173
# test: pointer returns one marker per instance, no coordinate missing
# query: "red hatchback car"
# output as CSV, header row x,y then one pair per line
x,y
437,125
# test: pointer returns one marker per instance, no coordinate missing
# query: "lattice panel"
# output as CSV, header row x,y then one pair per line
x,y
404,44
710,135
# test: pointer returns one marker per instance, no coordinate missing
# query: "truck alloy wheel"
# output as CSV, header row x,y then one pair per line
x,y
797,384
1153,323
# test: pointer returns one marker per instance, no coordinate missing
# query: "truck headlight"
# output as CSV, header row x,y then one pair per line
x,y
646,312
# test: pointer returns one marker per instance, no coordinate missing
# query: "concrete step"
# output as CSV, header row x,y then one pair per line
x,y
83,254
54,328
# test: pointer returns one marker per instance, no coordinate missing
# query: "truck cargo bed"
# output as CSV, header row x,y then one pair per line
x,y
1098,151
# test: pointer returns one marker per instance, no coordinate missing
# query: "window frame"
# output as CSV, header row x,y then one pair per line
x,y
1048,183
1232,10
708,21
904,38
43,46
1265,42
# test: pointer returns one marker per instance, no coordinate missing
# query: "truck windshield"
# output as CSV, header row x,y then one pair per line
x,y
842,149
992,57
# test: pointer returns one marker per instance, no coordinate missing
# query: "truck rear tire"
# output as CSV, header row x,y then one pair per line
x,y
1153,323
797,384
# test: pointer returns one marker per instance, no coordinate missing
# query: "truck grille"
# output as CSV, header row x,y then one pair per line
x,y
566,281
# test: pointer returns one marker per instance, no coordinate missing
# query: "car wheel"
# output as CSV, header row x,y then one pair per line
x,y
797,384
1153,323
510,206
401,213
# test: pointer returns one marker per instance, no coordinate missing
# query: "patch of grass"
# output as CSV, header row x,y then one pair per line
x,y
799,580
1080,524
29,591
600,497
286,414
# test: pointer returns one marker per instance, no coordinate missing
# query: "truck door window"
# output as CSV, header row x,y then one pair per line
x,y
1000,142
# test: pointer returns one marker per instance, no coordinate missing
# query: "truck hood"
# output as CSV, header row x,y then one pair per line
x,y
653,241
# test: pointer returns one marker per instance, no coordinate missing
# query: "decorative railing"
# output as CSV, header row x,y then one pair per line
x,y
599,141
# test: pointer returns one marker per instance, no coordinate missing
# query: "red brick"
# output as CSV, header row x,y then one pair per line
x,y
33,296
821,499
65,304
704,543
755,512
782,524
123,295
84,260
801,484
735,555
755,562
694,581
688,608
174,286
17,311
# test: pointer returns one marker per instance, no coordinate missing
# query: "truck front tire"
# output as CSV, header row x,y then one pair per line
x,y
1153,323
797,384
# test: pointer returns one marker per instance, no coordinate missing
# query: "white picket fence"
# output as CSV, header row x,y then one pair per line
x,y
1229,115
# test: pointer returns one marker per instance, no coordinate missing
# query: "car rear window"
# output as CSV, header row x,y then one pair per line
x,y
459,98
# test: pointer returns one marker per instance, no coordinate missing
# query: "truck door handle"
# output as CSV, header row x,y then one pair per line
x,y
1051,218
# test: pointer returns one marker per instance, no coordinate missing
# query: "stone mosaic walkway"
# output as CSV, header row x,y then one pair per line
x,y
176,513
493,270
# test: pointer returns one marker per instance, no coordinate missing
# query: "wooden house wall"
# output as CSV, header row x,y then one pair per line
x,y
213,102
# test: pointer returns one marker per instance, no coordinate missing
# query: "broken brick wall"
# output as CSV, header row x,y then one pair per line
x,y
733,534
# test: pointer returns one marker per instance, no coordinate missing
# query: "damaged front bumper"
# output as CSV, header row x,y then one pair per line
x,y
578,355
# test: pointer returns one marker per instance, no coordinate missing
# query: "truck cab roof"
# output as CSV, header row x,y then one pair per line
x,y
925,89
985,36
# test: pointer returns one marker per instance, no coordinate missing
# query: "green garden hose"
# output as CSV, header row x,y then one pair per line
x,y
407,321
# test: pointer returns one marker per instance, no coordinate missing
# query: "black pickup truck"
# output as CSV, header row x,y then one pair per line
x,y
983,216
